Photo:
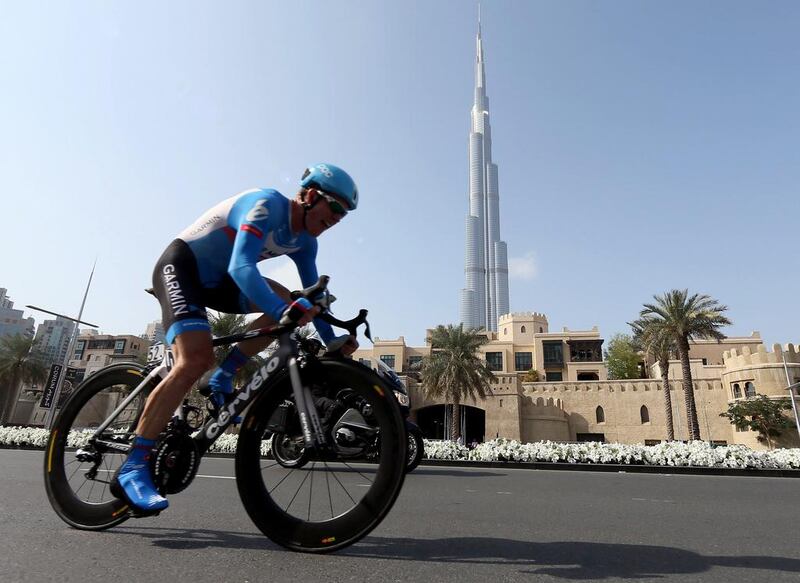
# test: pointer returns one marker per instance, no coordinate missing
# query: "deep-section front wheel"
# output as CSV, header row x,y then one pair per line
x,y
335,498
78,468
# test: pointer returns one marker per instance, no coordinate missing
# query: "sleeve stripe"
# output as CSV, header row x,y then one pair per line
x,y
252,229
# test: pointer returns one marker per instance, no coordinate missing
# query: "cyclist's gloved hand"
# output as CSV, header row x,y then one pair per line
x,y
300,312
346,343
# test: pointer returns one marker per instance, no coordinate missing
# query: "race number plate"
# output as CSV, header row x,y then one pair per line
x,y
155,354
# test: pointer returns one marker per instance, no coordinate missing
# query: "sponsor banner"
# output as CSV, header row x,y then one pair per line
x,y
50,386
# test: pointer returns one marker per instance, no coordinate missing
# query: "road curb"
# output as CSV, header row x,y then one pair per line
x,y
616,468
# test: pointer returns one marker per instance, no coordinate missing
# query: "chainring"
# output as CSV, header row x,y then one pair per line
x,y
174,463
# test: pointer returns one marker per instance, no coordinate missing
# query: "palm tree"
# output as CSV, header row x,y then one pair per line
x,y
660,347
226,325
682,317
454,370
20,362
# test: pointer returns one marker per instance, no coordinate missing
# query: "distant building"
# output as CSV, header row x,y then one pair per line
x,y
92,352
95,351
573,399
52,338
12,321
154,332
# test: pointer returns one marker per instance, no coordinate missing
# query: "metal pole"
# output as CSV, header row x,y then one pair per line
x,y
51,413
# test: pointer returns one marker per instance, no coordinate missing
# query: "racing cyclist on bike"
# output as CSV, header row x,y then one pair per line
x,y
213,264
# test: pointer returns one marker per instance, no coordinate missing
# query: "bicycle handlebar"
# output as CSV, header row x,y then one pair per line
x,y
316,294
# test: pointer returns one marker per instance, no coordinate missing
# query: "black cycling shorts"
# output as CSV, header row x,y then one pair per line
x,y
177,285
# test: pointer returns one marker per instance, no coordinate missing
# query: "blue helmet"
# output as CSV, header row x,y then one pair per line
x,y
333,180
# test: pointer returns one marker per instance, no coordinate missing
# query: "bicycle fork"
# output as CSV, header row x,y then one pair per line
x,y
313,433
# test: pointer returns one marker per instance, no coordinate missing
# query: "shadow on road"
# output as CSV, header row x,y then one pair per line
x,y
566,560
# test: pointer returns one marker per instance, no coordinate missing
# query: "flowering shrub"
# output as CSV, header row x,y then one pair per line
x,y
695,453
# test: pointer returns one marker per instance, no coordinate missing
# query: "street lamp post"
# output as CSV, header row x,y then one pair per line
x,y
63,373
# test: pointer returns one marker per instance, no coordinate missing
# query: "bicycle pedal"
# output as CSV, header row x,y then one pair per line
x,y
136,513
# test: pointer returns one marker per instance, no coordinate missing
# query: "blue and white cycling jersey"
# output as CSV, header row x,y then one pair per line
x,y
233,236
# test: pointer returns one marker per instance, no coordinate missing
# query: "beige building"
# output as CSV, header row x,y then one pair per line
x,y
92,352
575,401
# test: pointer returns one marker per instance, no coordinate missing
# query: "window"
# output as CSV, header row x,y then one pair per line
x,y
80,345
644,414
523,361
583,437
388,359
522,329
553,353
119,347
749,389
705,361
505,331
553,375
414,362
541,330
494,360
652,441
737,391
600,415
366,362
588,376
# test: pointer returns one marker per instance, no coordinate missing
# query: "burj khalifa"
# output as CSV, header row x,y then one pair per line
x,y
485,297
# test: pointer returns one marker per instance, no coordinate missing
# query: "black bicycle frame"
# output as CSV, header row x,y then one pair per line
x,y
286,356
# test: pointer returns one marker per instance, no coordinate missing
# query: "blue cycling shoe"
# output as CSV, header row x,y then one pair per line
x,y
218,387
134,484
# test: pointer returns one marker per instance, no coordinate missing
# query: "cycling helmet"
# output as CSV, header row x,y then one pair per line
x,y
333,180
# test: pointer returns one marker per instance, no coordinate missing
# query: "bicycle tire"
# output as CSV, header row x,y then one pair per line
x,y
84,408
301,533
416,450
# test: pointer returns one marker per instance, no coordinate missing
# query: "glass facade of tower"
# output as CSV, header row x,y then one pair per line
x,y
485,296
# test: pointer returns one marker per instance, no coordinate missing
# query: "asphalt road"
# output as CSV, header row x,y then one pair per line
x,y
450,524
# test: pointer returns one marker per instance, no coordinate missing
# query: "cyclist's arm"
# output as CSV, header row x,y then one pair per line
x,y
252,227
306,263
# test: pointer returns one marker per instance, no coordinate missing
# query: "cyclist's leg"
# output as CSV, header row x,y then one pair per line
x,y
230,299
177,286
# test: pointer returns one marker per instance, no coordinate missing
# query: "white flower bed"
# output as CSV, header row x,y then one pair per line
x,y
696,453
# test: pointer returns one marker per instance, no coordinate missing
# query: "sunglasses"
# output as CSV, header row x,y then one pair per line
x,y
335,206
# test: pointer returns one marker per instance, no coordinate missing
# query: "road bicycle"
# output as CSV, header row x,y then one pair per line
x,y
355,470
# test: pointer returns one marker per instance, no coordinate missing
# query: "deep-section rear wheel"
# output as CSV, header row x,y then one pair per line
x,y
77,470
332,500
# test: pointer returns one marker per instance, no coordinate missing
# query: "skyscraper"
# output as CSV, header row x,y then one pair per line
x,y
485,296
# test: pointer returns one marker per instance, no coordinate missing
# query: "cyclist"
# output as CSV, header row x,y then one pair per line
x,y
213,264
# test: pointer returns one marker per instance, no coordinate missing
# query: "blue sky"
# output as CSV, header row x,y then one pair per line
x,y
642,146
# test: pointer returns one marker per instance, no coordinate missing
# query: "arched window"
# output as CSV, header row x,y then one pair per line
x,y
541,330
737,391
505,331
522,329
601,416
644,414
749,389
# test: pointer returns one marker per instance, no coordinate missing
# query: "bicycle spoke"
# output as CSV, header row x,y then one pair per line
x,y
356,471
311,490
328,483
73,473
298,491
343,488
281,482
